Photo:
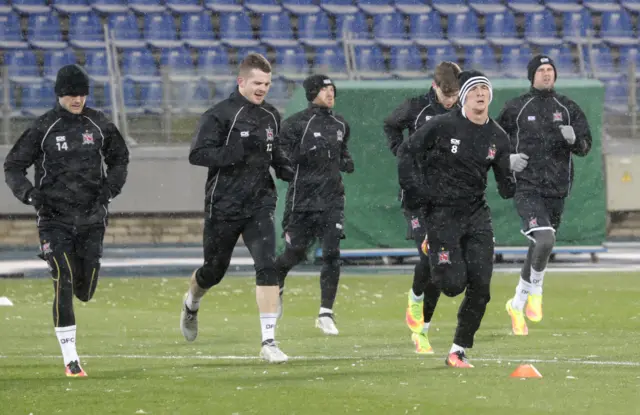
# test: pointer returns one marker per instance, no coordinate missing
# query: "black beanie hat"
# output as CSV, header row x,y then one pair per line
x,y
537,62
471,78
72,80
314,83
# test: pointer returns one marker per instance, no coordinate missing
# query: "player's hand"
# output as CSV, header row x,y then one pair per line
x,y
35,198
568,134
347,166
518,162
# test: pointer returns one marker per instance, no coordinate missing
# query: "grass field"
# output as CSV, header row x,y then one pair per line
x,y
586,348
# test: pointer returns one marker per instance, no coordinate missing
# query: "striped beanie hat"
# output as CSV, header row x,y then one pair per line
x,y
469,79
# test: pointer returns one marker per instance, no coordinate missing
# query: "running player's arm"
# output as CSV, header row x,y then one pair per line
x,y
417,144
116,157
580,125
395,124
346,161
279,156
213,145
22,156
501,167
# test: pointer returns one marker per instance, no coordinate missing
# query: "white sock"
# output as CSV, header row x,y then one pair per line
x,y
425,328
325,311
192,303
455,348
268,325
523,289
416,298
537,278
67,339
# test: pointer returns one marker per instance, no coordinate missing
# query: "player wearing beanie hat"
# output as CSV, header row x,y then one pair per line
x,y
72,88
536,63
470,79
315,83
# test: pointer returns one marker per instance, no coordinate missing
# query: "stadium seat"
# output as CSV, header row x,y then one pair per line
x,y
563,60
196,30
330,60
406,62
224,6
130,95
616,95
374,7
10,32
481,58
179,63
525,6
563,6
357,25
262,6
236,31
602,5
110,6
213,64
315,30
243,51
96,64
37,98
291,63
487,6
425,29
151,96
540,29
13,102
463,29
124,28
617,29
223,89
5,6
450,6
184,6
412,6
435,55
31,6
44,31
190,96
500,29
600,62
515,60
275,30
160,31
22,65
71,6
54,59
388,29
301,7
85,31
278,93
146,6
629,54
369,62
575,26
138,64
338,6
631,5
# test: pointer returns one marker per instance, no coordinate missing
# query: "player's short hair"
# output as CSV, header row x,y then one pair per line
x,y
254,61
446,77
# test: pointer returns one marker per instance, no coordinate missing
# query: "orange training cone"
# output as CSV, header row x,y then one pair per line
x,y
526,371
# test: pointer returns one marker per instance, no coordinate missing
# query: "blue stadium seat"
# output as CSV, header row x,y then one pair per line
x,y
525,6
301,7
5,6
96,64
438,54
291,63
406,62
425,29
369,62
463,29
151,96
616,95
85,30
37,98
22,65
243,51
481,58
330,60
30,6
44,31
130,95
10,32
355,23
602,5
412,6
500,29
388,29
110,6
124,28
184,6
146,6
315,30
213,64
196,30
450,6
373,7
235,30
178,62
13,102
540,29
223,89
563,60
275,30
629,54
600,62
338,6
575,25
54,59
515,60
100,96
190,96
617,28
487,6
563,6
160,30
278,93
224,6
138,64
71,6
263,6
631,5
